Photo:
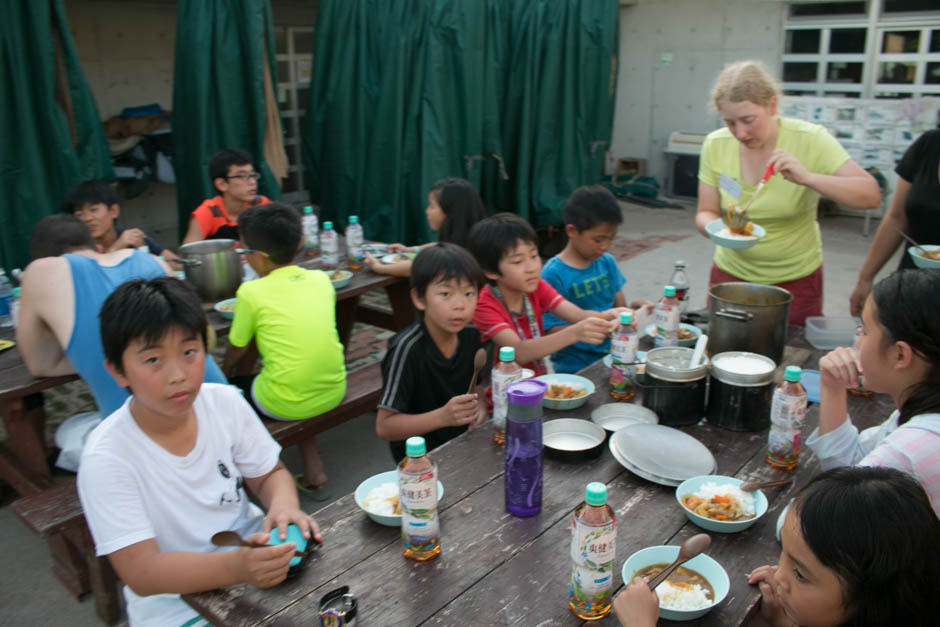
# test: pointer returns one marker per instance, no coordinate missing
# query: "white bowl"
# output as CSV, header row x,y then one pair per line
x,y
744,241
569,379
688,343
363,489
702,564
691,486
343,277
923,262
398,258
226,308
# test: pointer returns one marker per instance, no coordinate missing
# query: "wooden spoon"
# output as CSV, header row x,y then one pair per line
x,y
689,549
231,538
479,360
750,486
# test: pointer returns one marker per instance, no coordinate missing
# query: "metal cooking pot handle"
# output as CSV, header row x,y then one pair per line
x,y
189,262
735,314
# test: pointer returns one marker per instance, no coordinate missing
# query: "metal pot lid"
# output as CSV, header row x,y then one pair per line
x,y
614,416
663,452
207,246
743,368
671,363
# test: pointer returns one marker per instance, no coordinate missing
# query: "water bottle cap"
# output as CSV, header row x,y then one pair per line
x,y
626,317
16,292
415,446
793,373
354,219
680,263
595,493
308,209
507,353
327,225
527,392
669,290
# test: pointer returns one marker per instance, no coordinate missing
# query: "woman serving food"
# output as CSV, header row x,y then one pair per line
x,y
809,162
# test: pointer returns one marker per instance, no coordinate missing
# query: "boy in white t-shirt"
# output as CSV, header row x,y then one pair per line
x,y
171,467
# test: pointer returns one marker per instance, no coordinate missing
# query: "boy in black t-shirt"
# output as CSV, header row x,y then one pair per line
x,y
429,364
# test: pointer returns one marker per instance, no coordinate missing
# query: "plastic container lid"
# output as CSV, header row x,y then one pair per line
x,y
595,493
354,219
507,353
826,333
526,392
415,446
327,225
308,209
669,290
626,317
793,373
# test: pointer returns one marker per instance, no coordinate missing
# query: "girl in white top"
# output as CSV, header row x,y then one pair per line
x,y
898,352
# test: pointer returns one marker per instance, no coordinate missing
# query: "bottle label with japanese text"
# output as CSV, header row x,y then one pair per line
x,y
788,412
593,547
417,495
501,381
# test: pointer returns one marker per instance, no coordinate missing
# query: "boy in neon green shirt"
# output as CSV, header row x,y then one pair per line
x,y
290,314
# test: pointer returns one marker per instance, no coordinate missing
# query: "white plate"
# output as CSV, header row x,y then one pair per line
x,y
609,359
744,241
614,416
639,473
663,452
394,258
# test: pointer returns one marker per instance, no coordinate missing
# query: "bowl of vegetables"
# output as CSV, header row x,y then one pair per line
x,y
565,391
340,278
930,260
226,308
717,503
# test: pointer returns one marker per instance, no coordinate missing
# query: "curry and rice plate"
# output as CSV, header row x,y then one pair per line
x,y
684,590
383,500
721,502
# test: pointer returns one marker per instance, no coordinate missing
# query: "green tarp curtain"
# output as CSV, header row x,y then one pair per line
x,y
49,125
514,95
218,92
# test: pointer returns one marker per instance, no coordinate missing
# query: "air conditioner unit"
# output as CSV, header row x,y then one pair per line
x,y
682,152
685,143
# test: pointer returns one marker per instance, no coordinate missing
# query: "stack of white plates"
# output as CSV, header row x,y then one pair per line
x,y
661,454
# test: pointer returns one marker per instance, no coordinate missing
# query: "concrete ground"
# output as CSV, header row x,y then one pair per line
x,y
30,594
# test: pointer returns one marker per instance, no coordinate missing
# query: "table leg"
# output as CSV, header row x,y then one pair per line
x,y
24,420
345,317
403,310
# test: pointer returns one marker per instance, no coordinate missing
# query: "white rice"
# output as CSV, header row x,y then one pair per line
x,y
742,364
728,234
746,499
381,500
683,598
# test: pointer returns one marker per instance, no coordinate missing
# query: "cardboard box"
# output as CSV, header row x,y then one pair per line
x,y
631,165
894,43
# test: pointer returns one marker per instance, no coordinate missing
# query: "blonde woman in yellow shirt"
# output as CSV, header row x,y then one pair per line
x,y
809,162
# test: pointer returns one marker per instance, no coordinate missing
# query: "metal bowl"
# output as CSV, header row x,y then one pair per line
x,y
573,439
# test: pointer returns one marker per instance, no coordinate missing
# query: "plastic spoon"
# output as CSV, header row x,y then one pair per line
x,y
231,538
689,549
699,349
916,245
479,360
750,486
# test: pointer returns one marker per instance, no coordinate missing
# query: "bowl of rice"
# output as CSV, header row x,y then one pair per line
x,y
682,601
377,496
717,503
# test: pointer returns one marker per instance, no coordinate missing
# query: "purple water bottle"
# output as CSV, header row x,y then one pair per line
x,y
524,447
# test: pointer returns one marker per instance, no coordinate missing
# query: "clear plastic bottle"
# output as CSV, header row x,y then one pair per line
x,y
523,475
787,413
15,307
417,495
666,315
311,231
593,549
623,351
6,295
329,247
354,241
680,281
506,371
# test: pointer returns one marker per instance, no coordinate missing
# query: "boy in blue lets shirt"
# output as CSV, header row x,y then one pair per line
x,y
584,272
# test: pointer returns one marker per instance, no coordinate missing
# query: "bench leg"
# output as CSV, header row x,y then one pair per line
x,y
25,425
403,310
345,317
105,585
68,560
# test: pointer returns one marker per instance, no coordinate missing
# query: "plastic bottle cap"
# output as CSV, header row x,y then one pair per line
x,y
680,264
354,219
793,373
415,446
527,392
595,493
327,225
669,290
626,317
308,209
507,353
16,292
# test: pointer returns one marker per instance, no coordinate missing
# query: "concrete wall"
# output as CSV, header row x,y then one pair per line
x,y
670,53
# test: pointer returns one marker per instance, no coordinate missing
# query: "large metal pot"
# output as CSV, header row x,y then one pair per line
x,y
214,267
748,317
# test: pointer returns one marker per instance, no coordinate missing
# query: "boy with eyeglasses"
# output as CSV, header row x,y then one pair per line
x,y
233,174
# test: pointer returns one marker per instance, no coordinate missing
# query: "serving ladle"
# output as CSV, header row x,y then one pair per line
x,y
231,538
479,360
689,549
750,486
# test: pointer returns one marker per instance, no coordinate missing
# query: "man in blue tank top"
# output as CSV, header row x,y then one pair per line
x,y
61,294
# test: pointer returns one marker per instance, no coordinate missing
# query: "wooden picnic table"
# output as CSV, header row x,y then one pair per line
x,y
498,569
23,460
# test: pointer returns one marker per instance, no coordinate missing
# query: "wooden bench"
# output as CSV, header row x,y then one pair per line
x,y
55,514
